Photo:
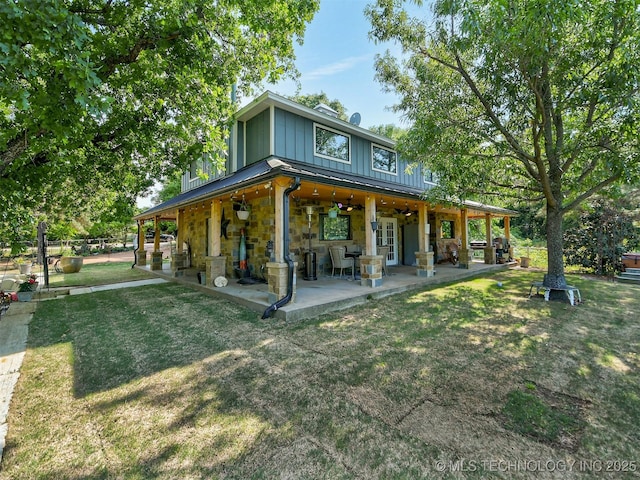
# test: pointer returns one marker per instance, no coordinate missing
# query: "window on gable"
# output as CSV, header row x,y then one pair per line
x,y
195,169
384,160
332,144
430,177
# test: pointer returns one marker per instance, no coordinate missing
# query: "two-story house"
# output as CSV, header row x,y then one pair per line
x,y
290,165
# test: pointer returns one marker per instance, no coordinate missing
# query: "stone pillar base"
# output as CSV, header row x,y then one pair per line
x,y
216,267
424,260
465,257
371,271
177,261
141,258
278,278
156,260
490,255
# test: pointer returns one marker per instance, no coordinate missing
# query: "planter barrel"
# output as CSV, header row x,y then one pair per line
x,y
25,268
71,264
25,296
524,262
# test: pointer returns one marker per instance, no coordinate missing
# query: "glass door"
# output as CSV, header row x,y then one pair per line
x,y
388,235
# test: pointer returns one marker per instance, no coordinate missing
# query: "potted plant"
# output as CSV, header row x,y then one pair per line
x,y
23,264
334,209
71,264
27,288
243,210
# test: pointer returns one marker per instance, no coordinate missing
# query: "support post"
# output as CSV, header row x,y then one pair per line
x,y
489,250
141,254
370,234
156,234
465,252
215,247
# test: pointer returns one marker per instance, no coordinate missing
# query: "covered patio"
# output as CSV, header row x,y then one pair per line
x,y
290,206
327,294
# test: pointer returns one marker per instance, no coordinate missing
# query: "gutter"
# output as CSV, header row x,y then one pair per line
x,y
285,227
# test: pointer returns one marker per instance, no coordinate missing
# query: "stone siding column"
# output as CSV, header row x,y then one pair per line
x,y
141,257
278,278
371,270
216,267
465,257
177,263
156,260
490,255
425,264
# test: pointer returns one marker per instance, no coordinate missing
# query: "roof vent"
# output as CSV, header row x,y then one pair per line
x,y
326,109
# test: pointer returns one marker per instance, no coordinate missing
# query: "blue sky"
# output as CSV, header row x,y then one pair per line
x,y
337,58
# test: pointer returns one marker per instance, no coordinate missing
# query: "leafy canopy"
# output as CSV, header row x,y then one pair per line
x,y
534,99
101,96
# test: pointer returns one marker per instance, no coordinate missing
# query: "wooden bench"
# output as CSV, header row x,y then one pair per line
x,y
570,290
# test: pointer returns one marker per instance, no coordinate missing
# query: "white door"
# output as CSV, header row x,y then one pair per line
x,y
388,235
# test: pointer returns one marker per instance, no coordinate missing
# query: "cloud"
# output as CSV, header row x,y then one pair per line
x,y
337,67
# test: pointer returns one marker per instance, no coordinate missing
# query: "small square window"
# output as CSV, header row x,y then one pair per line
x,y
384,160
430,177
338,228
448,229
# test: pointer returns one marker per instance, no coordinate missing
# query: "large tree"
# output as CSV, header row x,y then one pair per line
x,y
103,94
533,98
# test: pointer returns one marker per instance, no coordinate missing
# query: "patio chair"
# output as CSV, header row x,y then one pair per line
x,y
384,251
338,260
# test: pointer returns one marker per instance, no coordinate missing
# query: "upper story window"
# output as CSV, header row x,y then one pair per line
x,y
430,177
384,160
196,169
331,144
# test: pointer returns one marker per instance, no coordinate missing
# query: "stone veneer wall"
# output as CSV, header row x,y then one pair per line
x,y
260,229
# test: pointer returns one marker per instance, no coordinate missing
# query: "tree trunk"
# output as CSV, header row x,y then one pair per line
x,y
555,261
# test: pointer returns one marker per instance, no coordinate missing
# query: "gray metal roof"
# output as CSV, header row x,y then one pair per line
x,y
272,167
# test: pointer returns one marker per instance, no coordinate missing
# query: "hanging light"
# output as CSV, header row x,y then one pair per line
x,y
349,206
407,212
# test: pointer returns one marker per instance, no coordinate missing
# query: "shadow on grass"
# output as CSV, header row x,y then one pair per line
x,y
177,381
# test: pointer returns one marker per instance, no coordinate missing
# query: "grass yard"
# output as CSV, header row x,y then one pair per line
x,y
97,274
462,381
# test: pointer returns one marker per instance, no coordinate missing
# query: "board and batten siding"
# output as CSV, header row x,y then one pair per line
x,y
294,140
257,141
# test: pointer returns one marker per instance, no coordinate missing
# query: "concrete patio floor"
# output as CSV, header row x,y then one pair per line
x,y
327,293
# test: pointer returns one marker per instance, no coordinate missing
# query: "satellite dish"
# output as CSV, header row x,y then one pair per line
x,y
355,119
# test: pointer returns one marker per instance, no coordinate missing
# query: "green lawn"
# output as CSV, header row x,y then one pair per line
x,y
97,274
469,380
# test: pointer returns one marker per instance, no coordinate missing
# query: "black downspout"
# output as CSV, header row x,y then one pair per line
x,y
135,251
285,227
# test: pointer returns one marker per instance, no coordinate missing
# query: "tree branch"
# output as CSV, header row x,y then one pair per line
x,y
595,189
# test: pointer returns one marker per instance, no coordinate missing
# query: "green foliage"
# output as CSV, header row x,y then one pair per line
x,y
312,100
389,130
171,187
597,241
107,97
534,101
